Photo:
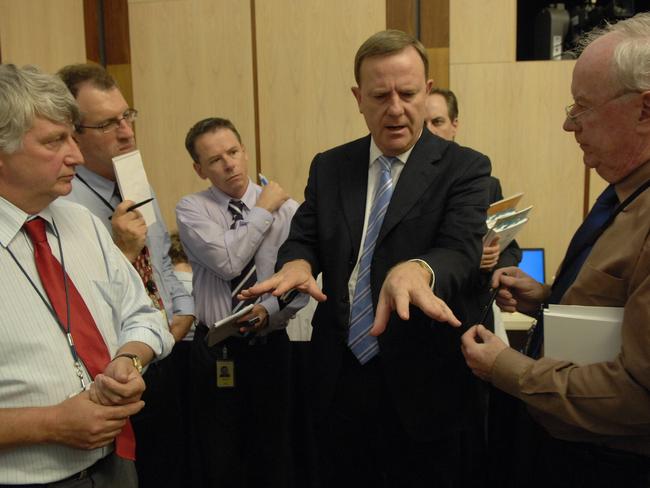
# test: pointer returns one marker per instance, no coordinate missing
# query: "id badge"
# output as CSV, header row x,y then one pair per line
x,y
225,373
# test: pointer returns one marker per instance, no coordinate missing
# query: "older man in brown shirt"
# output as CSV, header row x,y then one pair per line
x,y
596,417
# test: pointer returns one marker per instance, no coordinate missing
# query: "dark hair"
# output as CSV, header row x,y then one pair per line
x,y
176,251
74,75
204,126
450,98
388,42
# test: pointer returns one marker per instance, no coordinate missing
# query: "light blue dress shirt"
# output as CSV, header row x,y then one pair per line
x,y
218,253
175,297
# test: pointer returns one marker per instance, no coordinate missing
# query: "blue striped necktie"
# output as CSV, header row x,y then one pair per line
x,y
248,276
362,313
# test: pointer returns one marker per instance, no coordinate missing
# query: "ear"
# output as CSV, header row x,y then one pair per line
x,y
429,86
199,171
356,91
644,118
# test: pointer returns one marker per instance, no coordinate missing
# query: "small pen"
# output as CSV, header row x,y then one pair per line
x,y
263,180
140,204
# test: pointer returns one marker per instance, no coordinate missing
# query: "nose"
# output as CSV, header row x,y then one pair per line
x,y
73,155
125,129
395,106
569,125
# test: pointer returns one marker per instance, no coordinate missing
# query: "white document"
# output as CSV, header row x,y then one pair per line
x,y
582,335
227,326
133,183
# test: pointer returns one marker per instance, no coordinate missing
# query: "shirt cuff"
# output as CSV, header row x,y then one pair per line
x,y
508,369
426,266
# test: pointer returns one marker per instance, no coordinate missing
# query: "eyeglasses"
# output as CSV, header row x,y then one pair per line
x,y
573,117
112,124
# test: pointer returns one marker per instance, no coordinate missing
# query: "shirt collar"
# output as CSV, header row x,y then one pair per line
x,y
249,198
631,182
101,185
12,219
375,152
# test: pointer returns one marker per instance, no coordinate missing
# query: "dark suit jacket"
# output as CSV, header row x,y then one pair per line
x,y
436,213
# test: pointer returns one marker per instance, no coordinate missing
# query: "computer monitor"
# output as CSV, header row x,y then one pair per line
x,y
532,263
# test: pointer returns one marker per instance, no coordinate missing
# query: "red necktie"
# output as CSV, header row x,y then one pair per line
x,y
89,344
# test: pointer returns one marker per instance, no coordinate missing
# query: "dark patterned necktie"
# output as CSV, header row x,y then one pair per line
x,y
142,265
248,276
89,344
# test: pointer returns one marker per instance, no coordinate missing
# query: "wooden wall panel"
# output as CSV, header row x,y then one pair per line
x,y
482,32
190,59
42,32
513,112
305,71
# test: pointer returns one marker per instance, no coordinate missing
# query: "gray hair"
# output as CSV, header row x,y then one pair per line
x,y
27,93
631,59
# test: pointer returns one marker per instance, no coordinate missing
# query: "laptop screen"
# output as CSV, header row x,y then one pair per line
x,y
532,263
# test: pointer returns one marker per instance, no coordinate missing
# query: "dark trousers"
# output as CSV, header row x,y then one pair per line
x,y
158,428
522,453
241,434
362,442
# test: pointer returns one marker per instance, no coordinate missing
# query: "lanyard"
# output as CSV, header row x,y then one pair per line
x,y
67,328
103,200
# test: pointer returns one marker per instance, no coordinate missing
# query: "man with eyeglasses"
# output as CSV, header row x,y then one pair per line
x,y
592,421
105,131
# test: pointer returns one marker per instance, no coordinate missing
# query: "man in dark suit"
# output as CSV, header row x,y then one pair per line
x,y
394,222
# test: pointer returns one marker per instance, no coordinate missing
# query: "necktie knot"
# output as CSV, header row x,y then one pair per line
x,y
35,229
236,209
386,162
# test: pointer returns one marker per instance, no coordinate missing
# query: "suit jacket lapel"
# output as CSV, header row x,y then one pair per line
x,y
353,178
417,176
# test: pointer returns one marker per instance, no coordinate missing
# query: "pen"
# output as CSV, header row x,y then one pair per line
x,y
135,205
263,180
140,204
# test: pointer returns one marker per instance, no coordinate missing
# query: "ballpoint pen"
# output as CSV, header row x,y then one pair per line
x,y
263,180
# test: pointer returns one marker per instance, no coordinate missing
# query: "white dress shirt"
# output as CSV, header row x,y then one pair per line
x,y
36,365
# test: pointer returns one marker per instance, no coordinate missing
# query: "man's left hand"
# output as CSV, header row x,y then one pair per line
x,y
481,348
406,284
260,314
119,384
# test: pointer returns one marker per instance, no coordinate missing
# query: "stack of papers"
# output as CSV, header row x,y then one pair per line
x,y
505,221
582,335
133,183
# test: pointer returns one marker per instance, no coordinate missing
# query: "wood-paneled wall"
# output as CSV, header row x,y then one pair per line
x,y
513,112
191,59
305,72
46,33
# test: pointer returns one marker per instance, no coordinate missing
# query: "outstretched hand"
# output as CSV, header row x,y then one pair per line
x,y
293,275
406,284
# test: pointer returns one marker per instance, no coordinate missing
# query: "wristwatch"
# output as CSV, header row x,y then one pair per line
x,y
137,364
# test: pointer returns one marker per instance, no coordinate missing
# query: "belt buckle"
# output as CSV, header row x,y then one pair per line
x,y
82,475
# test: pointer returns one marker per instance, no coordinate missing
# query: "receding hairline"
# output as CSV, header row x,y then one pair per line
x,y
391,54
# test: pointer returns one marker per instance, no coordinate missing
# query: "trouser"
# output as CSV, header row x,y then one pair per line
x,y
109,472
241,433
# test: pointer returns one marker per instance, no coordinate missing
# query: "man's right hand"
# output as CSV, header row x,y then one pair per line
x,y
83,424
129,230
518,292
293,275
272,197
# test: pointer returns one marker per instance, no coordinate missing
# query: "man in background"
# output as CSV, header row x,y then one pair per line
x,y
231,233
592,422
76,324
105,131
